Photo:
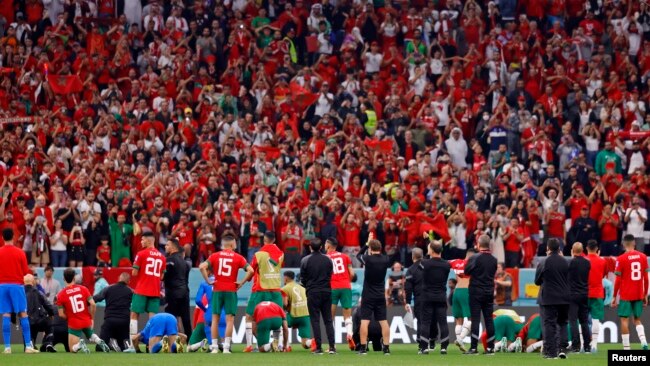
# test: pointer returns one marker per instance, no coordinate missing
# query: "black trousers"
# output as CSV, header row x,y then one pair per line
x,y
179,306
579,317
433,329
482,303
117,329
320,305
554,323
36,328
434,315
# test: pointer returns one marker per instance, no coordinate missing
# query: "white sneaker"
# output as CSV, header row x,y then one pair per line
x,y
504,344
31,350
82,347
7,351
226,351
129,350
460,345
518,345
214,350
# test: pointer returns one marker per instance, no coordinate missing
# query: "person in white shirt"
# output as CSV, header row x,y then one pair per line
x,y
441,108
179,22
514,169
324,101
372,58
636,216
457,148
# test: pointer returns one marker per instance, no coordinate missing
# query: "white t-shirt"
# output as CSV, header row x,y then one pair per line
x,y
323,105
373,61
635,225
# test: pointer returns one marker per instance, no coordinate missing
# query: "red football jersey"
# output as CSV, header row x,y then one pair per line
x,y
266,310
458,266
340,273
226,265
14,266
632,267
596,275
151,265
74,300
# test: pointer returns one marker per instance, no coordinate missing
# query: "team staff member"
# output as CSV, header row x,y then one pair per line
x,y
596,291
266,264
316,275
342,277
435,272
553,277
12,293
295,302
482,268
118,298
177,290
413,292
579,268
373,300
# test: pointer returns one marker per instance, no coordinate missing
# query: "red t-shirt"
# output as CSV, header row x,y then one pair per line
x,y
458,266
14,266
512,243
350,235
609,231
185,234
340,273
226,265
596,275
293,241
632,268
104,253
74,300
149,278
556,224
267,310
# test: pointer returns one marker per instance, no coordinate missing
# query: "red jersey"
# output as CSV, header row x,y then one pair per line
x,y
596,275
149,279
340,273
523,333
74,299
632,280
267,310
225,265
14,267
458,266
104,253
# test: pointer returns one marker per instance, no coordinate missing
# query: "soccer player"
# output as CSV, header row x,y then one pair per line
x,y
225,265
531,334
270,317
150,264
596,291
12,293
160,334
342,276
632,283
506,328
460,301
295,302
266,264
76,304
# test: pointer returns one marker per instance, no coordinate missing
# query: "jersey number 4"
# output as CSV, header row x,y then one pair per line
x,y
153,267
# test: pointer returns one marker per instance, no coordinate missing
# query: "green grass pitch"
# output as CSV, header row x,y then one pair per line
x,y
401,355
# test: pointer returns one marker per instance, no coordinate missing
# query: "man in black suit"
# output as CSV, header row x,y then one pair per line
x,y
579,268
553,277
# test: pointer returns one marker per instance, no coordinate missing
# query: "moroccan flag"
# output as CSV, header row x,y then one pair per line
x,y
421,223
383,146
65,84
302,98
272,153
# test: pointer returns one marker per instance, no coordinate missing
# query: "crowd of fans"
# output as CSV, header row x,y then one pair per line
x,y
521,119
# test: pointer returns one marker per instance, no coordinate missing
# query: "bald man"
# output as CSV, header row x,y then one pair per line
x,y
579,268
39,309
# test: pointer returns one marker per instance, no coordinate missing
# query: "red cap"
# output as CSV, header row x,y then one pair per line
x,y
521,98
233,166
21,156
121,213
245,165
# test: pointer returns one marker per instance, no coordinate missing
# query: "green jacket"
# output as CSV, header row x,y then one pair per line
x,y
605,157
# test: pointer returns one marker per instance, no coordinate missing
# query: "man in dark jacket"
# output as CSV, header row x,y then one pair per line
x,y
177,290
579,268
584,229
435,272
413,292
552,276
481,268
316,276
115,328
39,310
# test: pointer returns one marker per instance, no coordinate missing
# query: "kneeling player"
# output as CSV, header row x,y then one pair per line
x,y
160,335
531,334
269,317
295,301
76,304
506,327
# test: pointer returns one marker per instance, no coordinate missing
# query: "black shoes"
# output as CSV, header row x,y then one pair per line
x,y
471,351
318,351
363,350
386,350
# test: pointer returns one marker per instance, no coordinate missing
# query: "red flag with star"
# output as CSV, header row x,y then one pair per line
x,y
65,84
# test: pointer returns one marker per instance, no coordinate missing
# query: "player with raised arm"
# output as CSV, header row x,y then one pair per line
x,y
225,265
149,266
632,285
596,291
12,292
342,277
76,304
460,301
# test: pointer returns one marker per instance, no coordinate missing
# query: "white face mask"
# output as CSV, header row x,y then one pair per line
x,y
486,117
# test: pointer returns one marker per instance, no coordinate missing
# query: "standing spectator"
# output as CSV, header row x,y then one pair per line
x,y
40,235
514,235
118,298
253,236
635,217
316,274
77,242
59,245
100,284
51,285
120,233
292,239
177,290
503,286
552,275
609,231
395,290
584,229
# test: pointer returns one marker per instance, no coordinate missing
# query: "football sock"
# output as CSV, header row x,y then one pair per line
x,y
95,339
6,331
308,343
595,331
626,341
534,347
27,333
133,327
194,347
641,333
266,347
156,347
75,348
249,333
276,335
457,329
348,327
227,342
215,342
280,338
467,328
497,346
511,347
